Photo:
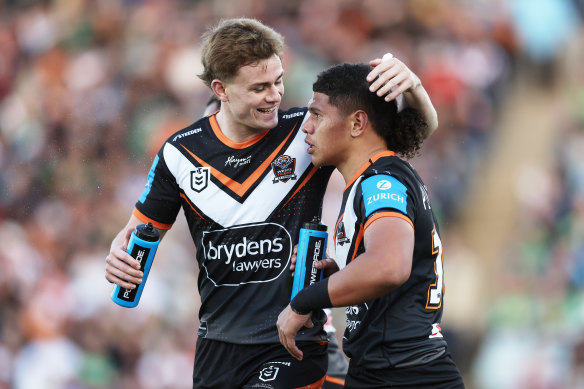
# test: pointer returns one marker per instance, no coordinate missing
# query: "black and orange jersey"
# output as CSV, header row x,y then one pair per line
x,y
401,328
244,204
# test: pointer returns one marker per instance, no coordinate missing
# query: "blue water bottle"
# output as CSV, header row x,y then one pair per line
x,y
311,248
142,246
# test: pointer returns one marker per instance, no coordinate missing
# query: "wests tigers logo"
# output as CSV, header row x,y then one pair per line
x,y
283,168
341,236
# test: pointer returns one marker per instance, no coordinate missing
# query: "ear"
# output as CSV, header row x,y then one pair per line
x,y
220,89
359,122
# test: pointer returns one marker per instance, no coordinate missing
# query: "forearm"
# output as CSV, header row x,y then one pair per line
x,y
418,99
362,280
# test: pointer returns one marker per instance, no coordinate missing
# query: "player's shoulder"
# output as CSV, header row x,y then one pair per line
x,y
392,166
189,131
292,114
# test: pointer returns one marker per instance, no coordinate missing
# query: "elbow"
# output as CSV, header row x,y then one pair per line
x,y
393,277
431,125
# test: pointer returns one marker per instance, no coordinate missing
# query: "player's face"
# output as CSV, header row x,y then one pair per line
x,y
254,95
327,132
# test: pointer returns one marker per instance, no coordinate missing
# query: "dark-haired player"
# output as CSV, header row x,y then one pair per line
x,y
387,241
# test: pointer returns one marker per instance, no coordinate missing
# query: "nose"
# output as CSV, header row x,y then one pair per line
x,y
275,94
307,127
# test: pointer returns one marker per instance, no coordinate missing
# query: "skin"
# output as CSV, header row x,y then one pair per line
x,y
249,105
395,78
348,143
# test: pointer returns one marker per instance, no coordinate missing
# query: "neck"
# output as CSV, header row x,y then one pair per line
x,y
234,131
358,157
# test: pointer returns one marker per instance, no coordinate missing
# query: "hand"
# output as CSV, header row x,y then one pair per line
x,y
392,77
293,259
121,268
328,265
289,323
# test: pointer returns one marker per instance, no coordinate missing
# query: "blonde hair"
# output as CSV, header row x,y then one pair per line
x,y
234,43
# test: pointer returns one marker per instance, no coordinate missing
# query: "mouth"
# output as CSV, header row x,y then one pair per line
x,y
310,148
268,111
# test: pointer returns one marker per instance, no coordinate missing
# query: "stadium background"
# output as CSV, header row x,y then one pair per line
x,y
89,89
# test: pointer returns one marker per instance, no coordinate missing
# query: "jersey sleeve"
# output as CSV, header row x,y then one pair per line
x,y
160,200
384,195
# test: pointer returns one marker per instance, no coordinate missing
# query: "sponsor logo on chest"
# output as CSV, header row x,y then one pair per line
x,y
233,161
246,254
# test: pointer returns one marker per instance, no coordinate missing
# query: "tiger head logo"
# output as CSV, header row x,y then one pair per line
x,y
283,168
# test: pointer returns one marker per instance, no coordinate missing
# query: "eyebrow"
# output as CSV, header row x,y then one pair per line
x,y
266,83
313,109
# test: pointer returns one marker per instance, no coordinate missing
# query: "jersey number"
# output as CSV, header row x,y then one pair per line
x,y
435,289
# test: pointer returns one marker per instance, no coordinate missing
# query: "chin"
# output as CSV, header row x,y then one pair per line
x,y
316,161
268,122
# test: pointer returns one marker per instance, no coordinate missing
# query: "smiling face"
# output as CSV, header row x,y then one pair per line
x,y
252,98
327,131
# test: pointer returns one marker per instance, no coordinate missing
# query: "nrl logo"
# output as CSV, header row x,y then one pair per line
x,y
269,373
284,167
200,178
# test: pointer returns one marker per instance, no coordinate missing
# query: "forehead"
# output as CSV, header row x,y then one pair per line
x,y
319,101
265,70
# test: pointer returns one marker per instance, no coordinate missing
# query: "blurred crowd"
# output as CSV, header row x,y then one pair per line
x,y
90,89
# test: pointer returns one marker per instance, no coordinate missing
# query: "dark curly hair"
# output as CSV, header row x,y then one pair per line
x,y
347,89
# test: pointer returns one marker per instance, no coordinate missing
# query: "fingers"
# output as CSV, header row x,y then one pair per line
x,y
293,259
288,325
290,345
390,78
123,270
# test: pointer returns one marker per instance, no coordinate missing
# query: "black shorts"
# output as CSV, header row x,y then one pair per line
x,y
440,373
221,365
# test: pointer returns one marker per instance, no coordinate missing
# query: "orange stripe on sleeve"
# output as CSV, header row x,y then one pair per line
x,y
388,214
146,219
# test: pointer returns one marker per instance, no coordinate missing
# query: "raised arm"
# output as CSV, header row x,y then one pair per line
x,y
392,77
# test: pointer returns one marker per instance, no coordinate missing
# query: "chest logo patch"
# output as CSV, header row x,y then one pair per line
x,y
200,178
340,234
284,167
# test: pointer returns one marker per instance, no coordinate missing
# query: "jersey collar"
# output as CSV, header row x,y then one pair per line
x,y
385,153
